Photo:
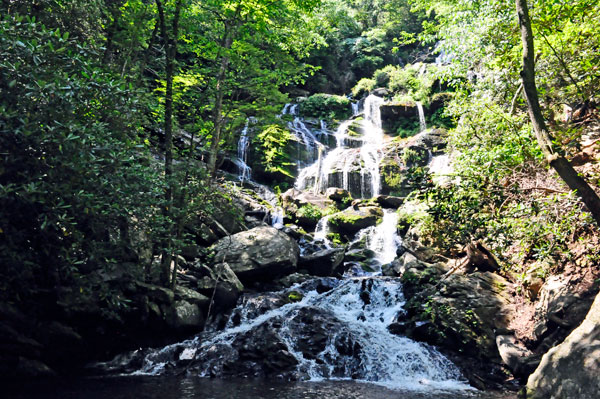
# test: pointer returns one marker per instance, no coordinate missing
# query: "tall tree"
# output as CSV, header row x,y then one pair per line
x,y
170,39
553,154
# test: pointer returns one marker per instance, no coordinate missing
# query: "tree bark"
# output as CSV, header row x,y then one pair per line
x,y
170,43
556,160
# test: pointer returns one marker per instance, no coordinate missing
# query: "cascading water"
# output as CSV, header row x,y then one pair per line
x,y
244,171
349,321
357,155
321,231
422,123
382,239
308,143
277,218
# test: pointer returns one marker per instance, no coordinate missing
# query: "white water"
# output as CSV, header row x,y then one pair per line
x,y
304,135
321,231
422,123
383,238
277,218
344,159
244,171
361,310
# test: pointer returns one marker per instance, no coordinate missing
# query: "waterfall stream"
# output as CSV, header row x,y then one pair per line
x,y
422,123
353,314
354,164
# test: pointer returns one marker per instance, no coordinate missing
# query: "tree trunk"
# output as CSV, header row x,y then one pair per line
x,y
170,44
217,116
556,160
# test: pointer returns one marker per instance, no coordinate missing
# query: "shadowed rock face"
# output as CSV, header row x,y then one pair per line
x,y
571,369
260,254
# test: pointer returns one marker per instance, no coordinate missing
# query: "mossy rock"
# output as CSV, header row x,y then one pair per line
x,y
351,221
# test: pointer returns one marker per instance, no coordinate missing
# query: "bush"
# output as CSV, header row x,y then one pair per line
x,y
363,87
326,106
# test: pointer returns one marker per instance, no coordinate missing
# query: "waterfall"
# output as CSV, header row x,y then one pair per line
x,y
353,316
355,109
422,123
277,218
371,151
321,231
307,140
242,152
360,154
382,239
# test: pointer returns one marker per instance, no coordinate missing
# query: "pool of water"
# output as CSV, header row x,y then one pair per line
x,y
200,388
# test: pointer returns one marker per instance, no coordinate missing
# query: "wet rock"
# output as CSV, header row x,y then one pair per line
x,y
431,139
571,369
351,221
222,285
322,263
388,201
464,311
359,255
260,254
155,293
338,194
33,368
184,316
394,114
191,296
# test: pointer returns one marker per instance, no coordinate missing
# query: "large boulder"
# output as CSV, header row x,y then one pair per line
x,y
571,369
431,139
322,263
352,220
184,316
395,115
260,254
222,285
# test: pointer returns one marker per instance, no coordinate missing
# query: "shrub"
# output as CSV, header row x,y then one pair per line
x,y
326,106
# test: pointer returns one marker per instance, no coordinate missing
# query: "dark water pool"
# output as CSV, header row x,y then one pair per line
x,y
197,388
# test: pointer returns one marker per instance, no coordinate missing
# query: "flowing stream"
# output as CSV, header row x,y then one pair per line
x,y
347,339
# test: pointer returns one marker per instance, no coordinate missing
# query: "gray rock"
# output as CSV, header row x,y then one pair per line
x,y
513,355
572,369
185,316
222,285
432,139
337,194
388,201
351,221
322,263
261,254
191,296
155,293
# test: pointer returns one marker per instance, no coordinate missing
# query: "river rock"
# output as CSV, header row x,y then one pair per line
x,y
322,263
351,221
222,285
261,254
463,311
191,296
184,316
389,201
431,139
338,194
155,293
571,369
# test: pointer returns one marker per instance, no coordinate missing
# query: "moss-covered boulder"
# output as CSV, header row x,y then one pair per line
x,y
352,220
400,117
